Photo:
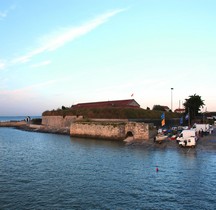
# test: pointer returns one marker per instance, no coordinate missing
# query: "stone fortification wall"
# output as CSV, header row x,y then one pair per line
x,y
139,130
106,129
98,130
114,131
109,120
59,121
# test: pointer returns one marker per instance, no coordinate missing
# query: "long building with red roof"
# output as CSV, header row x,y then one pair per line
x,y
128,103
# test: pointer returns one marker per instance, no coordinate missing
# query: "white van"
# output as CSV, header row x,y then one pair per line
x,y
187,138
201,128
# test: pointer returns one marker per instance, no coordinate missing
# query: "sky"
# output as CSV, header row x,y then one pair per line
x,y
56,53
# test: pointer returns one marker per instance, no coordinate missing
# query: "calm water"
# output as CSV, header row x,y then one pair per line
x,y
49,171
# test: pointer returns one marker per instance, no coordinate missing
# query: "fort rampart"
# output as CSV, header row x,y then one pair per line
x,y
103,128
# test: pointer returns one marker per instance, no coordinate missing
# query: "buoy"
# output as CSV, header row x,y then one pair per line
x,y
157,169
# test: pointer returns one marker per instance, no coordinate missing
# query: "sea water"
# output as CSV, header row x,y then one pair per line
x,y
50,171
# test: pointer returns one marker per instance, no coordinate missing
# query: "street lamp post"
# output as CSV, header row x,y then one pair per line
x,y
171,99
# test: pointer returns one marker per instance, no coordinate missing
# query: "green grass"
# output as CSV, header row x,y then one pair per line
x,y
111,113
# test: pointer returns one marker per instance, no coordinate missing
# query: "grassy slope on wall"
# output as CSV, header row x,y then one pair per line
x,y
111,113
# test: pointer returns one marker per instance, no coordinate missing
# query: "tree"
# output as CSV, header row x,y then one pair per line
x,y
63,108
158,108
192,105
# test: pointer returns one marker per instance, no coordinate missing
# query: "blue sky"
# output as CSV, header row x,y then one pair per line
x,y
55,53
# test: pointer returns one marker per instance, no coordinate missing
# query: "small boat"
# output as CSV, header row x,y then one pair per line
x,y
160,137
173,137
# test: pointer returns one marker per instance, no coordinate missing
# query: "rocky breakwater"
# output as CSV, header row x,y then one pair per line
x,y
15,124
28,126
45,129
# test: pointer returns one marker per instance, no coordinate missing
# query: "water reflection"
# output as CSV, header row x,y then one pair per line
x,y
189,153
89,142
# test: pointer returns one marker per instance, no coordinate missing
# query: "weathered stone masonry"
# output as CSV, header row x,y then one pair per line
x,y
98,130
59,121
114,131
139,130
104,129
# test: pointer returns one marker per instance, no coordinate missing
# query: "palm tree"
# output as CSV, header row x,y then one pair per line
x,y
192,105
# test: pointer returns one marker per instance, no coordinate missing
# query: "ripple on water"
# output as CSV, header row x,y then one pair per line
x,y
46,171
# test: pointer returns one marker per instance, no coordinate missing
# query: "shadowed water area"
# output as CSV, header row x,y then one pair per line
x,y
50,171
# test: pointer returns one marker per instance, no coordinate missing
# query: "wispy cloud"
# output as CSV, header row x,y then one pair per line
x,y
2,64
4,14
43,63
61,37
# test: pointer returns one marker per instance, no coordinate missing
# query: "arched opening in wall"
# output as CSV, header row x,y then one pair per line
x,y
129,134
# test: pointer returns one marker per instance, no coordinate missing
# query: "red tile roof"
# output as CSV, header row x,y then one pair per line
x,y
179,110
129,103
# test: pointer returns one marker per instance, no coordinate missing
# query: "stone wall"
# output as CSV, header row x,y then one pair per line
x,y
98,130
114,131
59,121
106,129
139,130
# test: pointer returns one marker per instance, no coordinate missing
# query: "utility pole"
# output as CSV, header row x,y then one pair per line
x,y
171,99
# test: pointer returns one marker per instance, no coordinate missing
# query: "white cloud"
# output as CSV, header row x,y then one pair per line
x,y
43,63
4,14
2,64
26,58
75,32
53,42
